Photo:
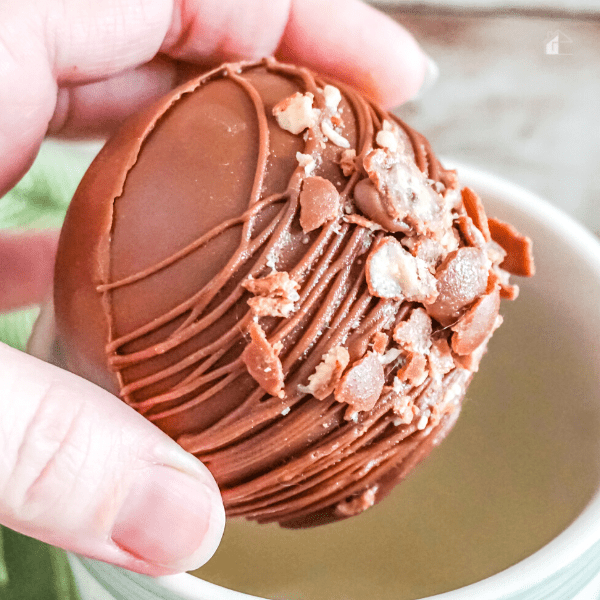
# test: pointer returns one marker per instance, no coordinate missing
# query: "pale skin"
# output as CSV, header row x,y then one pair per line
x,y
78,468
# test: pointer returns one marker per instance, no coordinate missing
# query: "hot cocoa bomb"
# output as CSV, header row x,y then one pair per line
x,y
283,277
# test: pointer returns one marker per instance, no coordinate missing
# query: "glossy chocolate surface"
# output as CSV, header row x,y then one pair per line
x,y
216,273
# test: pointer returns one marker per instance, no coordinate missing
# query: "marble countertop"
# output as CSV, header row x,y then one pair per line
x,y
505,105
568,8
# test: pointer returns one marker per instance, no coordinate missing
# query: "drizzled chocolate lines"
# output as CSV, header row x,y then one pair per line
x,y
281,459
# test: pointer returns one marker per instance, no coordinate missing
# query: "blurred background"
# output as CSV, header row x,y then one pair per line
x,y
518,93
518,96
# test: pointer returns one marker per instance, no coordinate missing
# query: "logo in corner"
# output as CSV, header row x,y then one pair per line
x,y
558,43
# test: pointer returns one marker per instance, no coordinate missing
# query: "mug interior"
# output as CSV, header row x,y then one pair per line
x,y
507,500
520,467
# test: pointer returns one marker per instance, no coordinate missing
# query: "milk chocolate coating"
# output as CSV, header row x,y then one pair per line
x,y
200,193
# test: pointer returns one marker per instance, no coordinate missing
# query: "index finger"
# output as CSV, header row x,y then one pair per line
x,y
51,56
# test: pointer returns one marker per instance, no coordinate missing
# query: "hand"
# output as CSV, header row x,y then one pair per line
x,y
78,468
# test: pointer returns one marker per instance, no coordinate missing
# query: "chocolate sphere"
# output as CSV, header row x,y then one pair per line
x,y
282,277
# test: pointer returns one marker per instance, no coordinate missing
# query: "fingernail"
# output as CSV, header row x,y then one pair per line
x,y
175,456
432,74
170,519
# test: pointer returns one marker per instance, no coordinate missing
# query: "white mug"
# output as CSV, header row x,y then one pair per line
x,y
556,330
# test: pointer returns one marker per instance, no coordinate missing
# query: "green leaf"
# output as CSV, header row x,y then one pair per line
x,y
42,196
34,571
16,326
3,568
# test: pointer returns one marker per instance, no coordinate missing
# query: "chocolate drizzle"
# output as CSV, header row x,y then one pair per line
x,y
292,459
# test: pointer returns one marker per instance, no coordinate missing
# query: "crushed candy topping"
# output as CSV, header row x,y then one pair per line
x,y
390,356
462,277
509,291
362,222
470,362
431,251
328,372
262,361
496,253
440,358
354,506
477,324
319,203
296,113
362,384
347,162
414,334
275,294
392,272
475,210
380,342
518,248
336,138
414,369
472,235
307,162
423,419
404,407
374,206
438,248
333,97
405,194
386,137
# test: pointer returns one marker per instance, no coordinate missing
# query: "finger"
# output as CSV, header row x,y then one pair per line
x,y
203,33
98,108
217,30
357,44
81,470
68,42
346,39
26,267
387,64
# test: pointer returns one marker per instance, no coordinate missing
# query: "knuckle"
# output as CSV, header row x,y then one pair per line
x,y
47,459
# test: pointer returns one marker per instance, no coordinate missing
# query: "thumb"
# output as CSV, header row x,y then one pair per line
x,y
81,470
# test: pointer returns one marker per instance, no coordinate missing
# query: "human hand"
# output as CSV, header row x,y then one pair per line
x,y
78,468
